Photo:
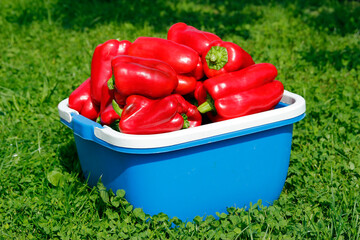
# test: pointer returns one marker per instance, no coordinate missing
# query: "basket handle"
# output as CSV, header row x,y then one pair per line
x,y
65,112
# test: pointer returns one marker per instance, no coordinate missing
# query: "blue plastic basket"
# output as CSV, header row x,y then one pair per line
x,y
192,172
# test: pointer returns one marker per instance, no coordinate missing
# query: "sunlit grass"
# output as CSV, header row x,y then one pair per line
x,y
45,53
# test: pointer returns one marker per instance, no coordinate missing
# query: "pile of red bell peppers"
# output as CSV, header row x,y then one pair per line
x,y
155,85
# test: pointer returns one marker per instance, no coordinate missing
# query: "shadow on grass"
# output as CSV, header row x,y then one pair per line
x,y
226,16
69,159
348,58
332,17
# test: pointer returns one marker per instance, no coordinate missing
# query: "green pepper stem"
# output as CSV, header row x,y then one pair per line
x,y
98,119
111,83
186,121
217,57
116,108
208,105
205,107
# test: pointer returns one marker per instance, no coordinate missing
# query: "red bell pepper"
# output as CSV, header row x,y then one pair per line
x,y
200,93
242,80
107,95
190,112
111,114
223,57
143,76
250,90
142,115
119,98
81,101
186,84
182,58
198,72
252,101
101,70
190,36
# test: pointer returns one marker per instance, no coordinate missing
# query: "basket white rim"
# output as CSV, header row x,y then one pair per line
x,y
296,107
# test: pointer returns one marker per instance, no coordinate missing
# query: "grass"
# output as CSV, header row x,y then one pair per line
x,y
46,48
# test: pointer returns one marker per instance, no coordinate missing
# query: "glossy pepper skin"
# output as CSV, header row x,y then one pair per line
x,y
240,93
119,98
242,80
252,101
150,78
110,115
101,70
198,72
142,115
81,101
222,57
200,93
186,84
191,36
193,115
180,57
107,95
